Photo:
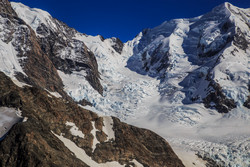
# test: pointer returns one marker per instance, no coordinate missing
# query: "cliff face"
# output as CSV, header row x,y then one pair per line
x,y
6,8
67,53
33,55
21,40
59,43
39,139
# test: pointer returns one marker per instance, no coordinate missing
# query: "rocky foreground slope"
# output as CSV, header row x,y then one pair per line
x,y
49,128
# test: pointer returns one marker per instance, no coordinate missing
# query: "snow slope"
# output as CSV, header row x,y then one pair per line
x,y
33,16
8,117
123,89
80,154
9,61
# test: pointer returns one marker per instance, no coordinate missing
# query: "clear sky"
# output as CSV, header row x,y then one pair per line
x,y
123,18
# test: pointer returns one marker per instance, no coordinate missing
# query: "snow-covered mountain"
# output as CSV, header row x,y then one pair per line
x,y
187,79
201,57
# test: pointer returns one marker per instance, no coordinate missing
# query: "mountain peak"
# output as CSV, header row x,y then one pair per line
x,y
227,8
222,8
224,5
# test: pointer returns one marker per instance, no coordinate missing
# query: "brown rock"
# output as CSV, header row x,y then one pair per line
x,y
222,103
247,103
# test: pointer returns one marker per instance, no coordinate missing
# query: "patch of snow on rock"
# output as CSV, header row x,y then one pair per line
x,y
75,130
93,132
81,154
108,128
8,117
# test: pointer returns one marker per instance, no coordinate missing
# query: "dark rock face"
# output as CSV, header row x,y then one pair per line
x,y
240,40
118,45
32,143
247,103
134,141
58,43
6,8
30,147
158,62
219,100
38,67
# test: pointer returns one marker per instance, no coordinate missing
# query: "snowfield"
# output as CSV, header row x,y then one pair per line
x,y
80,154
9,117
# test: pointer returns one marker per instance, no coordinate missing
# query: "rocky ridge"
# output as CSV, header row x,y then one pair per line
x,y
57,43
35,67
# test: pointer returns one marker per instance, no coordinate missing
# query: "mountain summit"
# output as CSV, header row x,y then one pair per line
x,y
199,54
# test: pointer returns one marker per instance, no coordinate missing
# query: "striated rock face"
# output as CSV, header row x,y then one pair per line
x,y
34,143
6,8
117,45
67,53
38,69
216,99
25,145
60,44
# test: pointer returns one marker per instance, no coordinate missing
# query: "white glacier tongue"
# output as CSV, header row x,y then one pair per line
x,y
124,90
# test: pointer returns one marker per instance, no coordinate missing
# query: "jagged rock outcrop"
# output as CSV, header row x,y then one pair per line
x,y
33,143
68,54
6,8
216,99
37,67
60,44
117,44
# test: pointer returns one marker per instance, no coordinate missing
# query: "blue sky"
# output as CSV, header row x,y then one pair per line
x,y
124,18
